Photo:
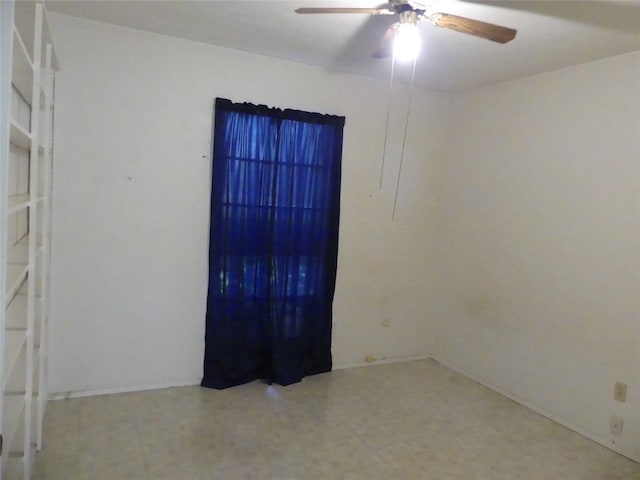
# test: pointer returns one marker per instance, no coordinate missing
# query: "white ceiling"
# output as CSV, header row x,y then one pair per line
x,y
551,34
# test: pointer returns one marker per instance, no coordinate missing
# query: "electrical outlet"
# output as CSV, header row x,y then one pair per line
x,y
620,392
615,426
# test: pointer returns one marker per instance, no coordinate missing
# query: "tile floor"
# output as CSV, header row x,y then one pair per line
x,y
415,420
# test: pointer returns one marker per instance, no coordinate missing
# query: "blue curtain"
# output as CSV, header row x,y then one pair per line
x,y
275,205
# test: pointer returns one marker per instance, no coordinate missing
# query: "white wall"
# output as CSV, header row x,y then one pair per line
x,y
540,245
131,204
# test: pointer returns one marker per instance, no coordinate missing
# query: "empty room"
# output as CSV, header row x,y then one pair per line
x,y
299,240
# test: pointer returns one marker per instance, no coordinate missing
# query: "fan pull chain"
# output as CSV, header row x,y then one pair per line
x,y
404,140
386,128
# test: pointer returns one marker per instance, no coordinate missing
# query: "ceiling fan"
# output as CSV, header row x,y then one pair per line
x,y
405,30
402,39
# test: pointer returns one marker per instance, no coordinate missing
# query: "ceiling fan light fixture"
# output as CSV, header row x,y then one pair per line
x,y
407,42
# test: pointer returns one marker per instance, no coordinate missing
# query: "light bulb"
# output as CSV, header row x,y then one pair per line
x,y
406,45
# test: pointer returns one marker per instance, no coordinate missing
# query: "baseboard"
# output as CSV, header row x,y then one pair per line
x,y
591,436
109,391
188,383
382,361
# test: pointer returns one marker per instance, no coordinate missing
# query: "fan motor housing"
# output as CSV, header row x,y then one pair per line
x,y
400,6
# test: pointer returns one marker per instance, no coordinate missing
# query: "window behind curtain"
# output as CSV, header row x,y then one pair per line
x,y
273,245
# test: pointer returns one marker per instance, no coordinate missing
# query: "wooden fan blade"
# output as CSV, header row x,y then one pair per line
x,y
477,28
385,48
370,11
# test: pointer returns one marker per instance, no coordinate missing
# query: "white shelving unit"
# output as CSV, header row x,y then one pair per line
x,y
28,62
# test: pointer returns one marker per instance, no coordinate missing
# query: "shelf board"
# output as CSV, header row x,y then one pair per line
x,y
22,67
19,136
16,447
16,274
14,341
15,316
18,253
13,468
13,413
18,202
24,20
15,383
